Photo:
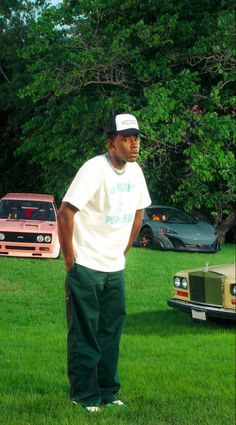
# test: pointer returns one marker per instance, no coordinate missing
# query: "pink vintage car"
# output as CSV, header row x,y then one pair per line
x,y
28,226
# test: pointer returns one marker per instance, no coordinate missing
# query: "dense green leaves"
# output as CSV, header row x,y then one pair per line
x,y
171,63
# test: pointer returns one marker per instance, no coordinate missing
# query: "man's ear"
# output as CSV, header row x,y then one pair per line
x,y
110,144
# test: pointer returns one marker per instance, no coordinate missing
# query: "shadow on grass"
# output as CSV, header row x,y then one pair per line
x,y
170,322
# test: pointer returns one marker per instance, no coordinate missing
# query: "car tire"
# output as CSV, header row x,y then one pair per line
x,y
146,237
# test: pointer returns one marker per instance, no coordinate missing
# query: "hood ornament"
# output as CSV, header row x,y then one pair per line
x,y
205,268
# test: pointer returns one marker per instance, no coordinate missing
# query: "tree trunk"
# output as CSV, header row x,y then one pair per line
x,y
225,225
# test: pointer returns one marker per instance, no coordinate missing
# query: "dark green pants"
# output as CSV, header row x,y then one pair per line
x,y
95,314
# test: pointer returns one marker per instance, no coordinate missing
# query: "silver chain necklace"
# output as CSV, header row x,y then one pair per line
x,y
116,170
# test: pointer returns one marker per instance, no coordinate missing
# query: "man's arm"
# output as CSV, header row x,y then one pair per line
x,y
135,229
65,232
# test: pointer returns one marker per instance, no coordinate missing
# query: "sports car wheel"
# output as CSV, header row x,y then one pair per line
x,y
146,237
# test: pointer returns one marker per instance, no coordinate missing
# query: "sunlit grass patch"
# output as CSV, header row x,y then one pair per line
x,y
174,371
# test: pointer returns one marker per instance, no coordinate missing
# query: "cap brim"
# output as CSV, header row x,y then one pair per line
x,y
129,132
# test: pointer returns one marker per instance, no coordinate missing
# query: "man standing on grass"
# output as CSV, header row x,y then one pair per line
x,y
98,222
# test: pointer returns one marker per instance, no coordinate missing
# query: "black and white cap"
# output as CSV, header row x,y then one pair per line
x,y
125,124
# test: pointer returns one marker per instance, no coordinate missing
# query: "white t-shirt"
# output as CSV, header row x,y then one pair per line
x,y
107,203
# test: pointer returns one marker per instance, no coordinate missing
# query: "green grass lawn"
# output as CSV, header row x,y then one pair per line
x,y
174,371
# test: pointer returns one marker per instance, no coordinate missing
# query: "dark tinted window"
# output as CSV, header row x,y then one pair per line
x,y
170,215
27,210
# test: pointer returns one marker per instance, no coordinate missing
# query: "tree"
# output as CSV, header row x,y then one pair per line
x,y
210,179
171,63
15,19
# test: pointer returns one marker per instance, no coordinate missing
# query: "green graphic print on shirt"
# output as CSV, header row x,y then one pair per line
x,y
118,190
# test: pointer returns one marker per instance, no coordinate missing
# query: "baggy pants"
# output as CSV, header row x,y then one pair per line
x,y
95,307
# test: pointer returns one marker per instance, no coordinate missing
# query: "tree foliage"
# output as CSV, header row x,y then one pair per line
x,y
170,63
15,19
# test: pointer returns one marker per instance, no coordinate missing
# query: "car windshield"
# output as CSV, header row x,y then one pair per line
x,y
27,210
170,215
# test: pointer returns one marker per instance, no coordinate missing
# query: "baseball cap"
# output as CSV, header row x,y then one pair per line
x,y
124,124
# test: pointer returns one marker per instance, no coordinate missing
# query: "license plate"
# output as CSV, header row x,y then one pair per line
x,y
199,315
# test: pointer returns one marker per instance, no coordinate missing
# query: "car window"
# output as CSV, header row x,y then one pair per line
x,y
27,210
170,215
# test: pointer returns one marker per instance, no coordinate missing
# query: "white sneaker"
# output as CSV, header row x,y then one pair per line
x,y
93,409
90,409
116,403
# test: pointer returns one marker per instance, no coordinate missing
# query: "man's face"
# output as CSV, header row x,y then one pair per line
x,y
125,148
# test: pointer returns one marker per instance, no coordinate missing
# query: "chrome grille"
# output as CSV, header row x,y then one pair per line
x,y
206,288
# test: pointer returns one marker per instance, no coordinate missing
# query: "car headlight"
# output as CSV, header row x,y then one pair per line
x,y
47,238
2,236
177,282
184,283
233,289
168,231
40,238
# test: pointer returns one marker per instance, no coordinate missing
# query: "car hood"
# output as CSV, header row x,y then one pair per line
x,y
26,226
222,269
199,231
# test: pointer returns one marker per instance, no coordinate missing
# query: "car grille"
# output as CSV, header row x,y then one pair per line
x,y
178,244
206,288
21,237
23,248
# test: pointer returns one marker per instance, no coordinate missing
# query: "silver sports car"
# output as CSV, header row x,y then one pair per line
x,y
169,228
